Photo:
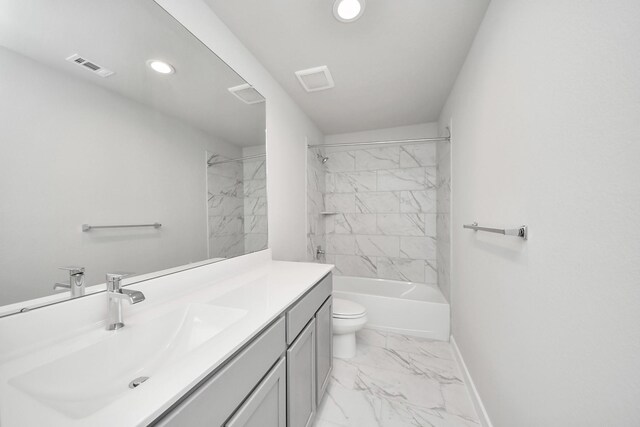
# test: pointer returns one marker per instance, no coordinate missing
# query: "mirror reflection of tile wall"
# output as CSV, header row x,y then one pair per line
x,y
237,204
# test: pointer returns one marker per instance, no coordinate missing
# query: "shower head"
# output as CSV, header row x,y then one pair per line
x,y
322,158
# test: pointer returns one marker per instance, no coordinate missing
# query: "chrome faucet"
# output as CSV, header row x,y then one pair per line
x,y
76,281
115,296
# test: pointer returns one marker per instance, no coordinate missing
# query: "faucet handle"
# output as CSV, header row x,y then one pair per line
x,y
73,270
119,275
114,279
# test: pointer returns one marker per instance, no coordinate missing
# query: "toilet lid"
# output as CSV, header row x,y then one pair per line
x,y
346,309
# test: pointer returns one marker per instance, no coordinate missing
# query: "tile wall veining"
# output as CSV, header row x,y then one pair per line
x,y
443,219
226,208
255,204
237,207
386,204
315,204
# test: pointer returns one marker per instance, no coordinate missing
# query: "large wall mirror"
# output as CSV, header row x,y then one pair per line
x,y
94,134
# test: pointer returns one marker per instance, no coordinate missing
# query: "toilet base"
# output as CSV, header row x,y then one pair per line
x,y
344,345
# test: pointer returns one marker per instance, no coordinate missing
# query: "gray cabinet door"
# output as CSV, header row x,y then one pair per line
x,y
324,347
266,407
301,378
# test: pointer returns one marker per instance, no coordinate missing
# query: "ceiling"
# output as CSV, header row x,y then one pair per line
x,y
122,35
395,66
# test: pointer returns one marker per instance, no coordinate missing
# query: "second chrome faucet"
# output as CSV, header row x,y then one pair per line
x,y
76,281
115,296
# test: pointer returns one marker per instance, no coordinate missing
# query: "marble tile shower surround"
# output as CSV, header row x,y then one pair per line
x,y
386,204
316,173
255,204
225,209
397,381
237,207
443,219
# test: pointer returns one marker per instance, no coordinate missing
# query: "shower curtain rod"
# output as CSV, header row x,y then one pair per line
x,y
392,141
210,163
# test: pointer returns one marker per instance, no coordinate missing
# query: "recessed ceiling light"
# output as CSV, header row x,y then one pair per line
x,y
161,66
348,10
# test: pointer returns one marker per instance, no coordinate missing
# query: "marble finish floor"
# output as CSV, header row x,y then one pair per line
x,y
397,381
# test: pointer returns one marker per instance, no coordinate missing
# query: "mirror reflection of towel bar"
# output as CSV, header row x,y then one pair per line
x,y
87,227
521,231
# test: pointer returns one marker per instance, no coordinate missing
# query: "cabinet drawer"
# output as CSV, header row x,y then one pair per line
x,y
298,316
266,407
213,402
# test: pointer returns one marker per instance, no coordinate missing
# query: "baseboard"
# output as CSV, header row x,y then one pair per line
x,y
473,392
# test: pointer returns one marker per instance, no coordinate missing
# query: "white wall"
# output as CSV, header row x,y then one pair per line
x,y
75,153
546,128
287,127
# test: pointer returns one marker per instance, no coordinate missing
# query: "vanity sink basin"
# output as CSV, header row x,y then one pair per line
x,y
87,380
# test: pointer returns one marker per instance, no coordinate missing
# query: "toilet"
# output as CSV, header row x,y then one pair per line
x,y
348,318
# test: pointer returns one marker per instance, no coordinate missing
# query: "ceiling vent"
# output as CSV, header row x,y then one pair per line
x,y
247,94
315,79
89,65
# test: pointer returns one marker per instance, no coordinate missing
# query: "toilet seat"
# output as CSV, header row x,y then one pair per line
x,y
345,309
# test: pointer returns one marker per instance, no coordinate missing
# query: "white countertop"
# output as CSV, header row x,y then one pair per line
x,y
264,288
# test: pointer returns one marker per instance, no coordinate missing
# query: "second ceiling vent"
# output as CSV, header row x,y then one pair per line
x,y
315,79
247,94
89,65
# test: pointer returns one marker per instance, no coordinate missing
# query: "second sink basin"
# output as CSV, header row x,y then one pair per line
x,y
83,382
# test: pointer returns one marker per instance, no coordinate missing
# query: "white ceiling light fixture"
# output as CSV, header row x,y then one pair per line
x,y
161,66
348,10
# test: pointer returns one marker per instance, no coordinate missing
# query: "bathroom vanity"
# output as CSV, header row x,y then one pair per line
x,y
245,342
280,375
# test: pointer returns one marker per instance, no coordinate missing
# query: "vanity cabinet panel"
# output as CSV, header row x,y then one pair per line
x,y
301,378
259,387
213,402
324,347
266,407
298,315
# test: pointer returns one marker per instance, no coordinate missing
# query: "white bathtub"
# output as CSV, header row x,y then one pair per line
x,y
401,307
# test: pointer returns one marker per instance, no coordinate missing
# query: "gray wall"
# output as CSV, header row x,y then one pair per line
x,y
546,120
73,153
